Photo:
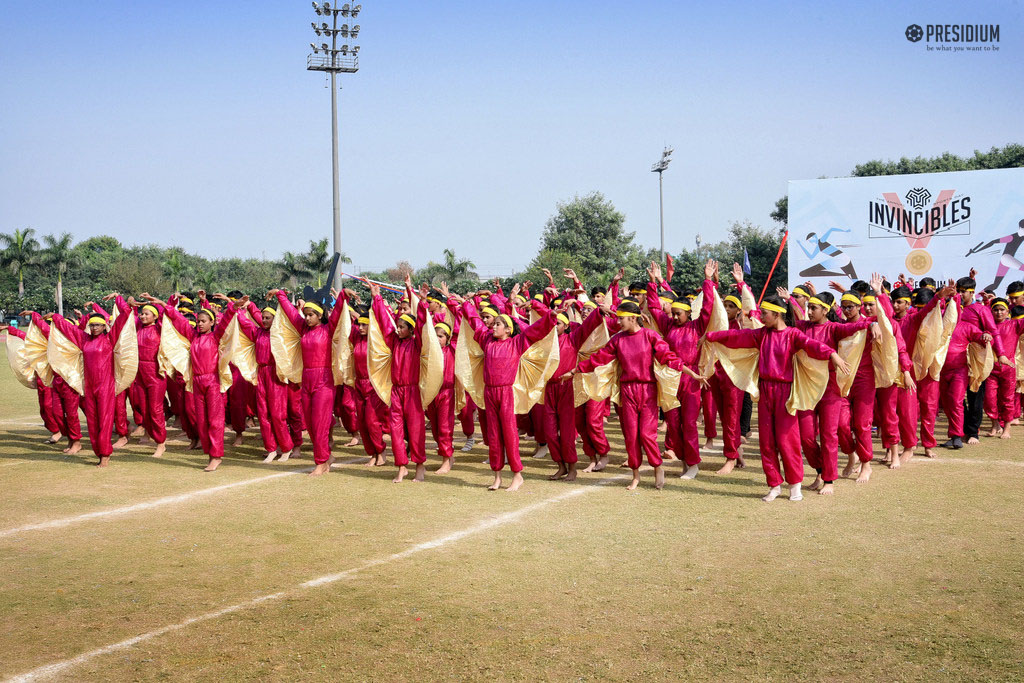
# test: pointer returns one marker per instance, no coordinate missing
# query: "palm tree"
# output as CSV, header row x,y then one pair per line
x,y
291,269
317,261
19,253
457,269
177,269
57,256
206,280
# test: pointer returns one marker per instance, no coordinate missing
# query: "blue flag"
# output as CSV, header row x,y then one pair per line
x,y
746,262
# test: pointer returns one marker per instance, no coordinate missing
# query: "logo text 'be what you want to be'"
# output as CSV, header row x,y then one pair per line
x,y
955,37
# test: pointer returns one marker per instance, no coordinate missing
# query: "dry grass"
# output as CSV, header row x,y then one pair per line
x,y
915,576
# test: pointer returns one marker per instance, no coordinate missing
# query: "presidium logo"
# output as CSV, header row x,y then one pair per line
x,y
955,37
919,221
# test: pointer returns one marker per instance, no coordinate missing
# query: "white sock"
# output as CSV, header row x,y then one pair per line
x,y
541,452
794,492
690,473
772,494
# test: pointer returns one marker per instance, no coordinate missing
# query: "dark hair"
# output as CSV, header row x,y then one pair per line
x,y
966,283
1016,311
860,288
927,282
1015,286
999,300
629,306
638,285
779,301
886,286
828,299
900,292
922,296
190,295
235,294
594,291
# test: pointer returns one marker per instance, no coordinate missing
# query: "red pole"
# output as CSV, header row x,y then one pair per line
x,y
777,257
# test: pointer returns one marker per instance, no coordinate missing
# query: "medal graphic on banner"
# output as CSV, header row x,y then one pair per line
x,y
919,261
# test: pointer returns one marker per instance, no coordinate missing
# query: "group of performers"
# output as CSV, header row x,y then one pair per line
x,y
826,371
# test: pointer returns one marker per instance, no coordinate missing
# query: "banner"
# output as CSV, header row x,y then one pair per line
x,y
937,225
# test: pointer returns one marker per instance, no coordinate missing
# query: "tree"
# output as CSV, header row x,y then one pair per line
x,y
19,253
397,274
206,280
554,261
57,257
591,230
453,269
291,268
136,275
177,269
317,261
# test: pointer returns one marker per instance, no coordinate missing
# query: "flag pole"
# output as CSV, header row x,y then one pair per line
x,y
782,246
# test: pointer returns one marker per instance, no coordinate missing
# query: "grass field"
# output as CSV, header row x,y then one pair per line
x,y
917,575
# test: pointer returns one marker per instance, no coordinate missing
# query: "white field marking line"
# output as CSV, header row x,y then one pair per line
x,y
49,670
967,461
149,505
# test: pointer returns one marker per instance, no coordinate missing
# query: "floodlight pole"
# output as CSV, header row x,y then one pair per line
x,y
334,172
660,168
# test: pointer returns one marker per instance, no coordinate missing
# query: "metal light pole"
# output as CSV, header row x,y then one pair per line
x,y
660,168
334,60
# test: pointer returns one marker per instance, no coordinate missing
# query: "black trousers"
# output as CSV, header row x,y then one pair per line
x,y
748,408
974,412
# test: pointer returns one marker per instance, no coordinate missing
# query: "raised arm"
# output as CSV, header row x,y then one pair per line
x,y
124,312
537,331
384,319
480,331
286,307
70,331
421,321
40,322
661,319
590,323
222,325
736,339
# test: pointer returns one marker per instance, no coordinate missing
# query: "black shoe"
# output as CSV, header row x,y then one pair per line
x,y
955,443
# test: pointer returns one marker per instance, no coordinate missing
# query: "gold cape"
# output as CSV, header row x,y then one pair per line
x,y
239,349
431,363
718,321
379,356
469,365
66,359
286,346
598,338
342,363
603,382
174,354
949,320
35,351
980,361
885,357
1019,362
16,359
749,306
126,353
929,338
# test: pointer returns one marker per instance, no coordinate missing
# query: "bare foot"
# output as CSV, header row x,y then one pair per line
x,y
321,469
562,471
104,461
446,466
571,474
906,456
591,466
727,467
827,490
625,463
74,447
212,465
709,443
743,439
121,443
973,441
818,483
850,469
602,462
517,481
636,480
284,456
659,477
381,460
54,438
670,454
139,431
930,453
895,463
238,439
144,440
994,431
270,456
421,470
865,473
402,471
497,482
194,446
160,448
353,442
1006,432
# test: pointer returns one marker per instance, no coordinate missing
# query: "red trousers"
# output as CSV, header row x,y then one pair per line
x,y
137,398
209,413
707,399
238,400
407,421
729,402
372,417
49,407
590,426
442,420
466,417
317,409
681,434
501,430
151,389
560,420
481,414
121,414
1000,390
908,412
345,408
638,415
272,410
296,416
855,418
819,435
779,434
98,406
928,409
886,417
953,390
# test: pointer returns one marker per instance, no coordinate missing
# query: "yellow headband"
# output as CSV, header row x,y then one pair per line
x,y
851,298
1015,293
363,321
444,326
271,311
1000,303
800,291
589,304
316,307
679,305
505,319
1019,317
868,299
817,302
735,301
520,299
691,297
192,323
411,321
561,317
151,307
209,312
97,320
664,299
774,308
637,291
904,298
627,314
187,300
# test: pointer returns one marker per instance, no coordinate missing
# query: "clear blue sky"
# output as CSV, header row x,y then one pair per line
x,y
196,123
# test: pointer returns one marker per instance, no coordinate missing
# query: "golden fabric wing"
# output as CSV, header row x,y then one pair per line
x,y
980,361
602,383
597,339
378,360
66,360
1019,362
851,349
929,336
16,359
885,357
35,350
536,366
240,350
741,367
224,366
469,364
810,378
718,321
668,385
460,396
126,354
949,320
431,363
749,305
342,363
174,354
286,347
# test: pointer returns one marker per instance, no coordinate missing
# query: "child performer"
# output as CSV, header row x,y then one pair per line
x,y
49,403
441,411
152,386
683,335
1001,386
207,385
98,385
778,430
635,349
317,334
373,413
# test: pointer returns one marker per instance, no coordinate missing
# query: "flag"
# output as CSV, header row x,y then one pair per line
x,y
746,262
